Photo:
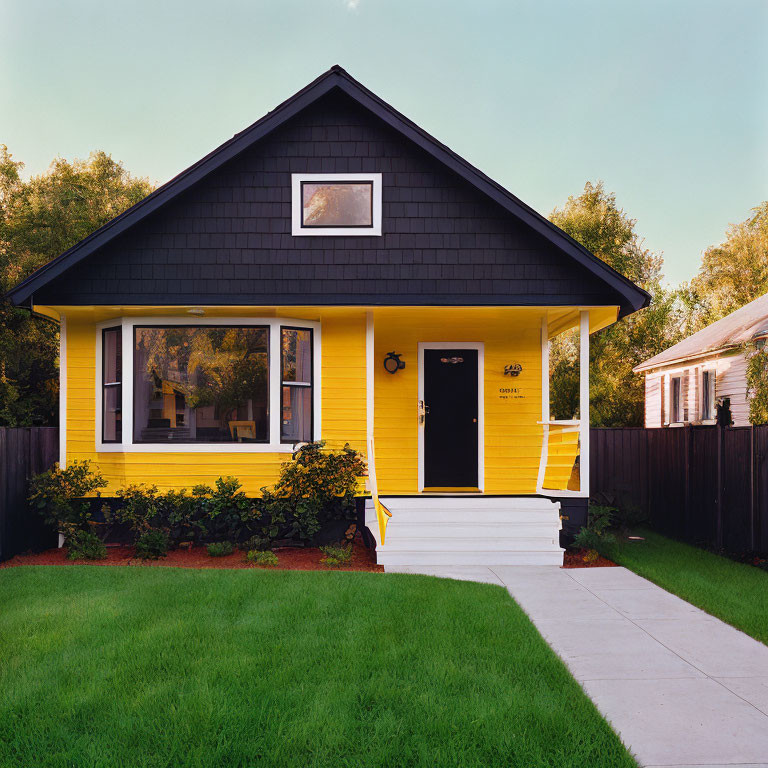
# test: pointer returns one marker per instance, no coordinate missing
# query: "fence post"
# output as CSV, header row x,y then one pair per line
x,y
752,515
719,510
687,459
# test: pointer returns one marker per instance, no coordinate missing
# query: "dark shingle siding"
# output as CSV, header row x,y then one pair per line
x,y
228,240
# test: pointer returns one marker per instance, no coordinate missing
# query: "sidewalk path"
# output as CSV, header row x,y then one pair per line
x,y
680,687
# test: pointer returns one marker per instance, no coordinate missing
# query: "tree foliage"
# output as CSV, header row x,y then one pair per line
x,y
733,273
39,219
595,220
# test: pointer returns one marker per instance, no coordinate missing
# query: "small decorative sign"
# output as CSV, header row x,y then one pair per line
x,y
513,369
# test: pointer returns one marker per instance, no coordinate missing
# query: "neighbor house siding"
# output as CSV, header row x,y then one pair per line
x,y
730,381
654,406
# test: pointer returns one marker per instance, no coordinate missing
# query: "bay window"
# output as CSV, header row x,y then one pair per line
x,y
252,385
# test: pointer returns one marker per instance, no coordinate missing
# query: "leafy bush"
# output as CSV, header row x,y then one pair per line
x,y
59,494
266,558
595,535
258,543
225,511
151,545
183,516
318,485
220,548
336,555
139,508
84,545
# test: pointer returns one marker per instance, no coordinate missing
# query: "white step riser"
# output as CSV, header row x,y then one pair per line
x,y
488,559
402,529
475,502
473,545
435,516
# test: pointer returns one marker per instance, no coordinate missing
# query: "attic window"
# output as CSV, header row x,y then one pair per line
x,y
336,204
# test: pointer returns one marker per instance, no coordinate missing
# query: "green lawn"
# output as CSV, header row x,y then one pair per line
x,y
734,592
130,666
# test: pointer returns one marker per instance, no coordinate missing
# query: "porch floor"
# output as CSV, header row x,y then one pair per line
x,y
680,687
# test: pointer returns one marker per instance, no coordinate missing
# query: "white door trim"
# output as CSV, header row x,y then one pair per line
x,y
480,347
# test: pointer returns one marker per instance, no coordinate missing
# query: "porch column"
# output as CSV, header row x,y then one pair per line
x,y
584,403
369,399
544,402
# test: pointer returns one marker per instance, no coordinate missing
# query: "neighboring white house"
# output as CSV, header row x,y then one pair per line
x,y
683,383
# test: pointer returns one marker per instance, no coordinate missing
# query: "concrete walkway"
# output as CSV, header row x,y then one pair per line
x,y
680,687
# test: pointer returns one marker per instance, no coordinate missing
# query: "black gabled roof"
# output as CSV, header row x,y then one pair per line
x,y
634,297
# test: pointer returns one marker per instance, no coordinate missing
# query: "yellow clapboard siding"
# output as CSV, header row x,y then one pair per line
x,y
512,435
343,409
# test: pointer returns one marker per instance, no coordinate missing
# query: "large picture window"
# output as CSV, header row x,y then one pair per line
x,y
112,385
201,384
296,385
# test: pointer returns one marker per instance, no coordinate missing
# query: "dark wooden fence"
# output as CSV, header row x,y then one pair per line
x,y
24,451
706,485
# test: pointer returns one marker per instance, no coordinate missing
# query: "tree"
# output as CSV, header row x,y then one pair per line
x,y
733,273
39,219
616,393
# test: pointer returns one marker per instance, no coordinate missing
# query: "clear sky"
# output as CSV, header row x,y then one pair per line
x,y
665,100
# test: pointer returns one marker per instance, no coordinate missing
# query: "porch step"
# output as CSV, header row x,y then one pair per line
x,y
416,559
468,530
438,528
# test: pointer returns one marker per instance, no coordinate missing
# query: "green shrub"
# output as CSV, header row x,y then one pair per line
x,y
220,548
596,535
336,555
316,486
258,557
151,545
84,545
182,514
58,494
139,508
225,511
259,543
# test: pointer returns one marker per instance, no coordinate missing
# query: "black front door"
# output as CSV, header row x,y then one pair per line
x,y
450,426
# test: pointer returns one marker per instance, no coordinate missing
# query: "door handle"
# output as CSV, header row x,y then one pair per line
x,y
423,411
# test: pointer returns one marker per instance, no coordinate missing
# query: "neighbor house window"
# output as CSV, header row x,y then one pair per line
x,y
336,204
675,398
201,384
112,385
296,384
708,395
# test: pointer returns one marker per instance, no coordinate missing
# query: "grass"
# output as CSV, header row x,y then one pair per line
x,y
130,666
734,592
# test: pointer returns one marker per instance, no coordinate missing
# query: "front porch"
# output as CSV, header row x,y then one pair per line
x,y
465,464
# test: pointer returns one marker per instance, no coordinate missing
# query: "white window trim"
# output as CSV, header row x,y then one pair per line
x,y
275,385
673,421
712,370
298,231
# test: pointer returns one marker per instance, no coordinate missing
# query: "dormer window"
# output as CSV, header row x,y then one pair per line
x,y
336,204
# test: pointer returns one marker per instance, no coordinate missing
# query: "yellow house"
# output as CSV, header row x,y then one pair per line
x,y
335,273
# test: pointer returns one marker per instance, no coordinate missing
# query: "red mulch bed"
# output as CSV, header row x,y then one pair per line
x,y
575,559
290,559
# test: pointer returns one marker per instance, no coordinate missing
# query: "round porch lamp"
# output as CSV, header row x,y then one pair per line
x,y
393,363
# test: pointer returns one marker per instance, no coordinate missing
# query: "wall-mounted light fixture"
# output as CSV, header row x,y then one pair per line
x,y
513,369
393,363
